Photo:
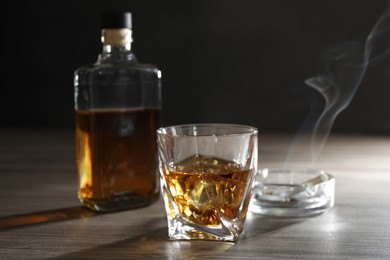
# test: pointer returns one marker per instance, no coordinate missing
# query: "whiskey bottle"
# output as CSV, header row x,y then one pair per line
x,y
118,110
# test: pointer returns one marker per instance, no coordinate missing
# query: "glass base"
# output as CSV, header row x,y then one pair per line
x,y
118,203
292,193
180,229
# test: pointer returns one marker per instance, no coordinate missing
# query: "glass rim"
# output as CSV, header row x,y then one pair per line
x,y
234,129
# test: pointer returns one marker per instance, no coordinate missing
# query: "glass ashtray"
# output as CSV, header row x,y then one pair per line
x,y
292,193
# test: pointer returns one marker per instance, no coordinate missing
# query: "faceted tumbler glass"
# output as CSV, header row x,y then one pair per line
x,y
207,173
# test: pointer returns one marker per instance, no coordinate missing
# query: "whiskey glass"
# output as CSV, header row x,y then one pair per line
x,y
207,173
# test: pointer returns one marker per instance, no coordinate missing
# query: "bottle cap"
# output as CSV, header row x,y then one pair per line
x,y
116,20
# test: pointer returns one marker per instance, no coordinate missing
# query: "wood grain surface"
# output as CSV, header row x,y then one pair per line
x,y
41,217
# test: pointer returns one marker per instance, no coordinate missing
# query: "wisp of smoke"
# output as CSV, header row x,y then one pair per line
x,y
343,70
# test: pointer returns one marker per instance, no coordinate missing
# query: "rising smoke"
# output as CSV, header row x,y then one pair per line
x,y
342,72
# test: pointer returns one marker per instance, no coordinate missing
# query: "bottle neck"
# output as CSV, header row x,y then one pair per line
x,y
117,39
116,45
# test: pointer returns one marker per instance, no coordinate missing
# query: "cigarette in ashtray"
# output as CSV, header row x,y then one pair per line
x,y
286,191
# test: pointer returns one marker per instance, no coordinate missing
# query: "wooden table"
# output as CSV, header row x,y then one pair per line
x,y
40,216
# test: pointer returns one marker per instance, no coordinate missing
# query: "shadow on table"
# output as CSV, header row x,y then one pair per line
x,y
154,244
257,225
42,217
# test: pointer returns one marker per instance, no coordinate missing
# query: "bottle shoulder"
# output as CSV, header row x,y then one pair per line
x,y
122,67
84,68
116,74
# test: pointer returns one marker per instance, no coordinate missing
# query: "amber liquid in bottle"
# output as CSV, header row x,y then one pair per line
x,y
116,157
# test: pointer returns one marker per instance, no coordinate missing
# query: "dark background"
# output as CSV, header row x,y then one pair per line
x,y
222,61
